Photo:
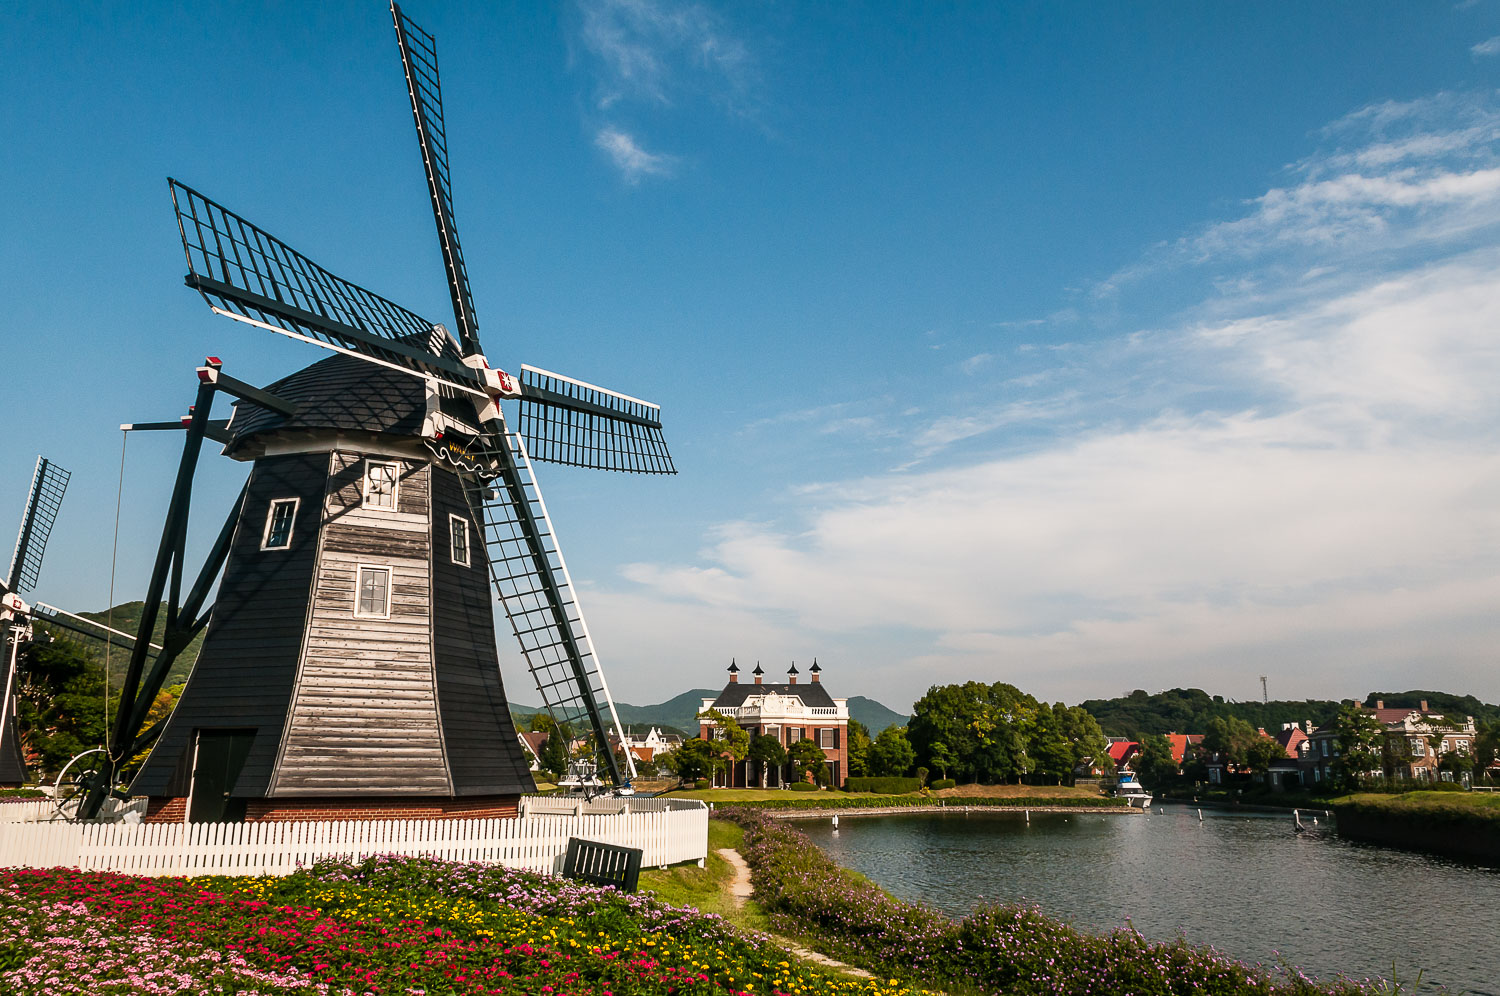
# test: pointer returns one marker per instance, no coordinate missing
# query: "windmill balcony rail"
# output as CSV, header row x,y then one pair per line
x,y
668,832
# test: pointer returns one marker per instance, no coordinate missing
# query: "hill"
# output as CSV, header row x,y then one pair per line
x,y
126,617
874,716
1188,710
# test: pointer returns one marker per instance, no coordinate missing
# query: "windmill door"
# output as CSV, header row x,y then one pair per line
x,y
218,757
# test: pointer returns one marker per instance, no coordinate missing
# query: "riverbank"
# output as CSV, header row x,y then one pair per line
x,y
853,812
1454,824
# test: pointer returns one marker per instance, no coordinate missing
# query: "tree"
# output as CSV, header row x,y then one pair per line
x,y
1156,765
984,725
857,748
766,751
1230,738
892,753
1048,746
1439,728
60,688
807,757
941,757
1358,739
694,759
1262,753
553,757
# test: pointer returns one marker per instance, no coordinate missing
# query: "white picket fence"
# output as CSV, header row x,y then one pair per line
x,y
36,810
667,832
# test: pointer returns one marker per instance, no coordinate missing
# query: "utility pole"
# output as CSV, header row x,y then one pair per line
x,y
1264,697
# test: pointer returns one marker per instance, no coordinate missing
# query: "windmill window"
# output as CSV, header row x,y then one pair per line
x,y
380,485
372,596
458,532
279,520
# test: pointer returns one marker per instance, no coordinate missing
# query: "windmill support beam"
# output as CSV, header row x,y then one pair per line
x,y
185,618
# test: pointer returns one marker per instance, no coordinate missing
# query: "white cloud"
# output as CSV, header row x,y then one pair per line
x,y
630,159
1490,46
1331,517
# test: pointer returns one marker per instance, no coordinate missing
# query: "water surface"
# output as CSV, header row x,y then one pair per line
x,y
1242,883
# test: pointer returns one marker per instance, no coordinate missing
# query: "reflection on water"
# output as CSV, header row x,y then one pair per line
x,y
1242,883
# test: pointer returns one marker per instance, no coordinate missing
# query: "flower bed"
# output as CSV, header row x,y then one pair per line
x,y
387,925
997,949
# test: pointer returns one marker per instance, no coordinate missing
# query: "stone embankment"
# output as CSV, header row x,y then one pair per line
x,y
853,811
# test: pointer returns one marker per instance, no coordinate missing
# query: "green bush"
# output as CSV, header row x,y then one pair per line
x,y
1443,787
701,783
890,785
802,787
22,793
943,783
833,800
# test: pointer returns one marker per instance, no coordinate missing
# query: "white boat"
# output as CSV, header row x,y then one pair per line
x,y
1127,788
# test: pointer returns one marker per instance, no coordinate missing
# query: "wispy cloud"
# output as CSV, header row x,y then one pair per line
x,y
659,54
651,50
1490,46
1392,176
630,159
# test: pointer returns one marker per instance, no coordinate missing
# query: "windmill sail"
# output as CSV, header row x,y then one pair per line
x,y
246,273
419,59
568,421
48,484
532,582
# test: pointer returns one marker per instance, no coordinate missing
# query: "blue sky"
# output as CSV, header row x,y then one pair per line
x,y
1083,347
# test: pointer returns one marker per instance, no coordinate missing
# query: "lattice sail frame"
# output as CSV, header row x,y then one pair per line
x,y
245,273
49,483
419,59
543,632
576,423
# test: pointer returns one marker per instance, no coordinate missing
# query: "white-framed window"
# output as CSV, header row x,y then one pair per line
x,y
1418,747
1325,747
1462,746
279,521
826,739
1445,748
458,537
381,481
793,734
372,592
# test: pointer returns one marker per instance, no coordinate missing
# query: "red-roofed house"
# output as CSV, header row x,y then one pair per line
x,y
1184,744
1122,751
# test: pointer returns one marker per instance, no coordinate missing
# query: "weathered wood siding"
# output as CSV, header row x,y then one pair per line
x,y
244,675
485,756
364,719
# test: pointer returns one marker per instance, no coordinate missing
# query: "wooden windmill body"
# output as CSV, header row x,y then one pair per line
x,y
349,669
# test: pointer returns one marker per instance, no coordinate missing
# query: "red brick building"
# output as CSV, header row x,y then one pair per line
x,y
789,712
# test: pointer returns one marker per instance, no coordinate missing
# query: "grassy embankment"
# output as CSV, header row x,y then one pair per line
x,y
1459,824
707,888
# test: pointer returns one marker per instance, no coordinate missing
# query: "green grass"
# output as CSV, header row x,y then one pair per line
x,y
707,888
721,796
1482,807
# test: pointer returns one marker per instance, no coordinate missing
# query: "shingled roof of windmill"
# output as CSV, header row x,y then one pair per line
x,y
345,393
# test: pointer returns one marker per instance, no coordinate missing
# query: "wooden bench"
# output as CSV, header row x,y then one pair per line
x,y
602,864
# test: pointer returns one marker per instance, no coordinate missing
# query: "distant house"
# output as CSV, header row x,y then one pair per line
x,y
1407,752
1184,745
789,712
645,748
1123,752
533,742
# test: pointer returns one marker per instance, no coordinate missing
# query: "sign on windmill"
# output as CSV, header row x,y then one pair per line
x,y
349,666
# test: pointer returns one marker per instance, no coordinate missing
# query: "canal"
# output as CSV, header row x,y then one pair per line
x,y
1245,884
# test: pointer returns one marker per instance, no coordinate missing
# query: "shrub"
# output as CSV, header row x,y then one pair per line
x,y
802,787
888,785
701,783
22,793
943,783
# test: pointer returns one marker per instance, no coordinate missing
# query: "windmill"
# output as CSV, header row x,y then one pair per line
x,y
48,484
351,651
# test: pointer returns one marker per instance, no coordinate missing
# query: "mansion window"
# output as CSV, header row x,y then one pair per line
x,y
372,592
1418,747
827,739
380,485
278,534
793,734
